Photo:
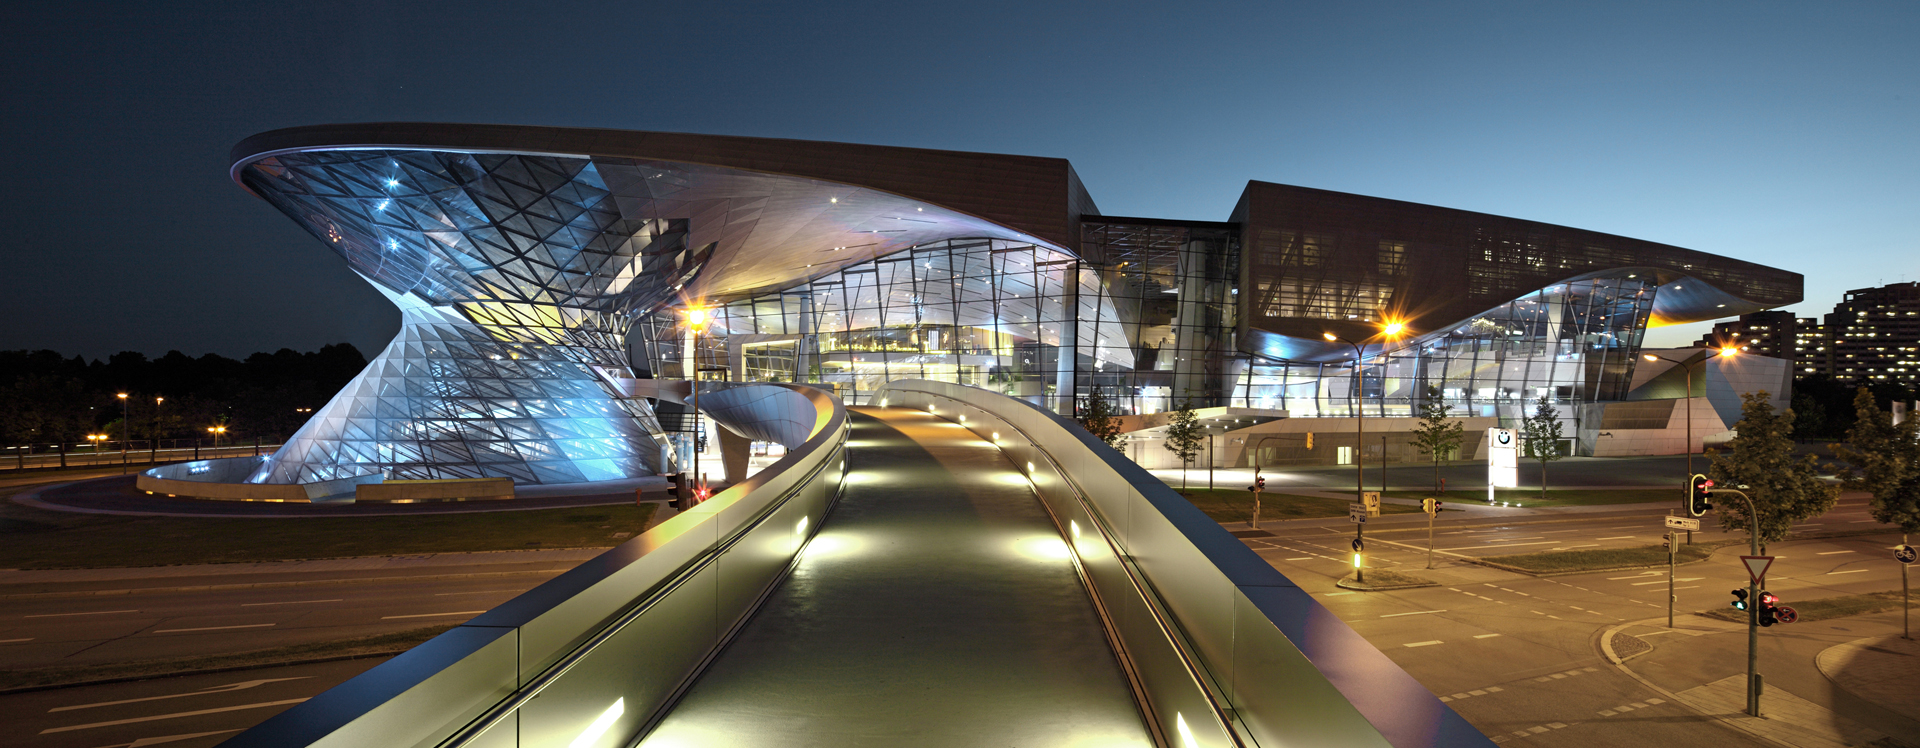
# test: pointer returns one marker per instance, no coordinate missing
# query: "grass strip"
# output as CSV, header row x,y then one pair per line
x,y
1554,562
379,644
1555,497
1236,505
32,538
1825,608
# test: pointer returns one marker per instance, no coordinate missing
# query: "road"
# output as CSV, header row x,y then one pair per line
x,y
1519,656
193,711
91,616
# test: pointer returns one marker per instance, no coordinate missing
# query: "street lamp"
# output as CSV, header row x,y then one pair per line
x,y
125,435
696,321
1390,332
1687,366
216,431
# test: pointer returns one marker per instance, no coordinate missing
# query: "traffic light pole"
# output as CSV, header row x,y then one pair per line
x,y
1753,608
1672,538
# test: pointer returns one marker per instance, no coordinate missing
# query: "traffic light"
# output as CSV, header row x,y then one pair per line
x,y
1699,496
1260,483
1739,599
1431,506
1768,612
1309,441
677,490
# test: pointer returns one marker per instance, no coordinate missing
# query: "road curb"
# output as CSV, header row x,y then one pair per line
x,y
1606,649
265,585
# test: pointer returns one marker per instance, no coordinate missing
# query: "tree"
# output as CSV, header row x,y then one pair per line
x,y
1809,416
1540,435
1760,462
1096,416
1883,460
1436,436
1183,437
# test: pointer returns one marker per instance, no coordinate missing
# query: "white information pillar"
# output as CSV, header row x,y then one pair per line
x,y
1503,461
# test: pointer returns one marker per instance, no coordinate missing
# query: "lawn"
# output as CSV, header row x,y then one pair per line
x,y
1555,497
1822,609
1552,562
1236,505
33,538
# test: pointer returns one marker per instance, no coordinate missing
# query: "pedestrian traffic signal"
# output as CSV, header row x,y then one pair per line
x,y
1767,609
1739,599
1260,483
1699,496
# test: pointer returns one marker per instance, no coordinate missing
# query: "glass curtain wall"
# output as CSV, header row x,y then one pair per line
x,y
1171,287
992,313
1572,342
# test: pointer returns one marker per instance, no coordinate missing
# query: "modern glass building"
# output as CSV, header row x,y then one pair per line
x,y
537,266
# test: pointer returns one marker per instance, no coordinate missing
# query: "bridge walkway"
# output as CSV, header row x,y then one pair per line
x,y
937,606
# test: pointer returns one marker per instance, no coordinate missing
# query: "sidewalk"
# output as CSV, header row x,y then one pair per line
x,y
1862,691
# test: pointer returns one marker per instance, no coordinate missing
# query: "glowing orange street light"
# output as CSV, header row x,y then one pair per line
x,y
216,431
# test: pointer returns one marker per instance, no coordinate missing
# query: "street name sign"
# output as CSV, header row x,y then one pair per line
x,y
1683,523
1357,513
1757,566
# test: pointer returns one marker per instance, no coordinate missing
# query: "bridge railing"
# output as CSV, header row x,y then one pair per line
x,y
591,657
1223,650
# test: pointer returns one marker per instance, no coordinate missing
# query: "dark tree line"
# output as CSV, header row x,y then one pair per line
x,y
46,398
1823,407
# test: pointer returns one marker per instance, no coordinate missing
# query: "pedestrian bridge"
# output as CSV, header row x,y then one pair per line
x,y
951,567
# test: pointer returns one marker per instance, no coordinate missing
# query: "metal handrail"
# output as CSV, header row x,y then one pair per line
x,y
552,674
1169,628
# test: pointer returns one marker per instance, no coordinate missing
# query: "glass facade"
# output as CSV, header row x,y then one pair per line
x,y
1573,342
516,278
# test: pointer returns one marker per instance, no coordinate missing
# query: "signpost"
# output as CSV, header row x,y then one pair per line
x,y
1905,555
1503,461
1757,567
1357,514
1432,508
1683,523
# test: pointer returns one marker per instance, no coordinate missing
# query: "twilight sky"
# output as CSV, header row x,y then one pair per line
x,y
1782,133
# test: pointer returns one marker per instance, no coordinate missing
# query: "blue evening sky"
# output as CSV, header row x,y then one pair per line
x,y
1782,133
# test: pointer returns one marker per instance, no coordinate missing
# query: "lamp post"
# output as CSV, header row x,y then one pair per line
x,y
1687,366
696,320
153,447
216,431
125,435
1391,331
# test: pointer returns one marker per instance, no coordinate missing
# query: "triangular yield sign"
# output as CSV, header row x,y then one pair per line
x,y
1757,566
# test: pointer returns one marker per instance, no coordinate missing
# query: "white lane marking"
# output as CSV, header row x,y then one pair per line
x,y
15,641
1302,558
432,615
93,613
1485,636
175,715
241,686
1643,584
1415,613
1849,571
1422,644
1654,633
1688,587
1619,537
1335,594
214,628
1637,576
290,602
483,592
1832,553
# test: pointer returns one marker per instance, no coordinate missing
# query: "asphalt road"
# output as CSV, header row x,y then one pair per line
x,y
192,711
1519,656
